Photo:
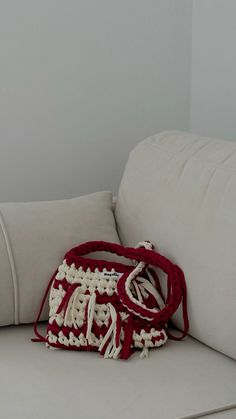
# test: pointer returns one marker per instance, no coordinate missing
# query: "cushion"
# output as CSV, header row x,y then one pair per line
x,y
33,240
179,191
180,380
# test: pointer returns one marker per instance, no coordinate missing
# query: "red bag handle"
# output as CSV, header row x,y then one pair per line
x,y
175,278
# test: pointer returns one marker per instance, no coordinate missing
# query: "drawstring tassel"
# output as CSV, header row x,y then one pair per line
x,y
128,337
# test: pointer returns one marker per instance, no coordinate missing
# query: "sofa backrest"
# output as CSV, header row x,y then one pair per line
x,y
179,191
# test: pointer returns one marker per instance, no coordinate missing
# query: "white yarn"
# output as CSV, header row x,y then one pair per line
x,y
150,288
151,278
112,350
71,309
137,270
139,295
144,353
145,244
160,300
90,318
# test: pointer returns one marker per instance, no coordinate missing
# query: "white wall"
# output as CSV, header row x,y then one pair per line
x,y
81,82
213,87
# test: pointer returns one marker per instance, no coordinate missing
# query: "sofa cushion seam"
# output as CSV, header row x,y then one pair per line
x,y
12,267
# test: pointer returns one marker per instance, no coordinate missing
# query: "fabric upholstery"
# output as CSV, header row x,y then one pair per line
x,y
176,381
179,191
226,414
36,236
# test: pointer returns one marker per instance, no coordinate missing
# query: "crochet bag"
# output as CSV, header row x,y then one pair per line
x,y
111,307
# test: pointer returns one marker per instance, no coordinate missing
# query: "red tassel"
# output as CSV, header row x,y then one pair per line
x,y
118,329
126,347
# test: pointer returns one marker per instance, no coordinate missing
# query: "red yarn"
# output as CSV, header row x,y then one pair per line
x,y
128,334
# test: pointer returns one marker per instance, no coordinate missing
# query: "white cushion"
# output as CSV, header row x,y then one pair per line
x,y
33,240
179,191
178,380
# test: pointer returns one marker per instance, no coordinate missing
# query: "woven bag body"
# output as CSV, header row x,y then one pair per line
x,y
110,307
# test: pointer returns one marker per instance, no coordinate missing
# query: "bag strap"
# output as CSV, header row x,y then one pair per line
x,y
184,312
41,338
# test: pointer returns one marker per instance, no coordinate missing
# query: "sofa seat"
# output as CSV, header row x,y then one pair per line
x,y
181,380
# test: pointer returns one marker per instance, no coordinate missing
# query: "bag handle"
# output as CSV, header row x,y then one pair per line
x,y
103,246
144,256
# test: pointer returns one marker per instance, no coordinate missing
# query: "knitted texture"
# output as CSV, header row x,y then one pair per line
x,y
111,307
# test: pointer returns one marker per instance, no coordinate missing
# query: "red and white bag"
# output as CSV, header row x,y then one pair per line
x,y
110,307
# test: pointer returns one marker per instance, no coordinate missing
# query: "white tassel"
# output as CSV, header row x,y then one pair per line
x,y
70,309
109,350
90,318
117,352
144,353
112,351
73,309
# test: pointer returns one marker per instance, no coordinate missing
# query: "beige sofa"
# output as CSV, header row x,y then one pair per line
x,y
179,191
